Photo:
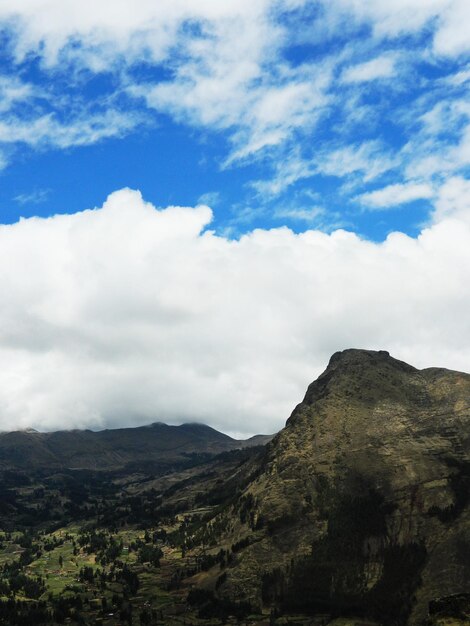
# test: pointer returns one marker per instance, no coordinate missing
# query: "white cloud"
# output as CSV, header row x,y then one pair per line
x,y
127,314
459,78
452,38
312,215
453,200
442,145
55,27
261,110
224,62
210,198
370,158
227,66
37,196
381,67
447,19
288,170
81,131
12,91
395,195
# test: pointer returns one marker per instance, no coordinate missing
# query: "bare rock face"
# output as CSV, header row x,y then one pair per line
x,y
361,503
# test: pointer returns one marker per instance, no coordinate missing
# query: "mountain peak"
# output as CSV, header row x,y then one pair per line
x,y
371,358
363,375
369,480
358,353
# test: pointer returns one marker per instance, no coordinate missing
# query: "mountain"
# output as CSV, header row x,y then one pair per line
x,y
360,505
357,513
116,448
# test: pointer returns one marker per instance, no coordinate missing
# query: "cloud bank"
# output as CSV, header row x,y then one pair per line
x,y
129,314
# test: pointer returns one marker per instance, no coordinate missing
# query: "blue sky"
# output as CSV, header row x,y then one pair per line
x,y
201,201
307,114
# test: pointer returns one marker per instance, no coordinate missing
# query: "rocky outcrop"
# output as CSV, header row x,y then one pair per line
x,y
361,503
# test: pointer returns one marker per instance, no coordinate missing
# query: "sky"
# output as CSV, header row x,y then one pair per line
x,y
201,201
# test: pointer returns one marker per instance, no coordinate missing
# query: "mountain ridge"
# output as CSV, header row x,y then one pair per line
x,y
369,478
115,448
358,510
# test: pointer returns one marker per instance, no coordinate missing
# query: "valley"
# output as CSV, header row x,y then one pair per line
x,y
356,513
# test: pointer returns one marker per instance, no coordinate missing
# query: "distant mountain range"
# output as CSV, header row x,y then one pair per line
x,y
117,448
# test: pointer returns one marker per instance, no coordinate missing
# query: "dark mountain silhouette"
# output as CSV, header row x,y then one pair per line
x,y
115,448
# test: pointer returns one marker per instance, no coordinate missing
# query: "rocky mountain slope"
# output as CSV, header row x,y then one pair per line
x,y
114,449
356,514
360,505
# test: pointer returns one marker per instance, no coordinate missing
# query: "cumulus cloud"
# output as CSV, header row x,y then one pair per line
x,y
128,314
